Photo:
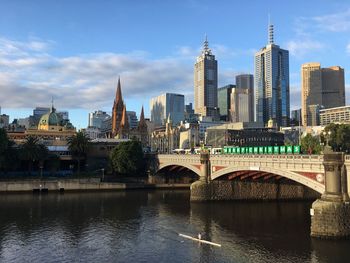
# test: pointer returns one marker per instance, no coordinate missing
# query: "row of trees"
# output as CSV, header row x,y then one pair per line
x,y
32,152
337,135
126,159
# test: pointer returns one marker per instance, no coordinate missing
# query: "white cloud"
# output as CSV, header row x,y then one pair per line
x,y
299,48
348,48
335,22
30,77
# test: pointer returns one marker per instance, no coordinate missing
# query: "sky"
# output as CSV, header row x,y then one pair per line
x,y
74,50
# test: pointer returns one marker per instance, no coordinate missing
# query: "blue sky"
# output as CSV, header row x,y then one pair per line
x,y
74,51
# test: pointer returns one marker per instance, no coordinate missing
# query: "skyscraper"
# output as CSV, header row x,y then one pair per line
x,y
333,87
246,81
165,104
320,88
206,84
272,83
224,101
239,110
311,89
96,118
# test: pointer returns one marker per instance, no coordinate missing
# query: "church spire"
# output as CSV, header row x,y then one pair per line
x,y
124,123
117,109
142,115
118,95
142,126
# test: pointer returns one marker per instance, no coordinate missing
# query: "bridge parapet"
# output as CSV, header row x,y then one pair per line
x,y
305,163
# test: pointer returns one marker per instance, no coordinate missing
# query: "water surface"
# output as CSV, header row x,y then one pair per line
x,y
143,226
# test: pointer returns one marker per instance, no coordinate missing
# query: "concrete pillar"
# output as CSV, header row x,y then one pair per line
x,y
201,189
205,167
330,215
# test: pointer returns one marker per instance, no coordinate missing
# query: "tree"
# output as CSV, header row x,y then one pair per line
x,y
8,152
310,144
78,146
128,159
339,136
32,151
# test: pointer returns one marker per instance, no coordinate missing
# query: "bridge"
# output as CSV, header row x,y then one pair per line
x,y
307,170
221,177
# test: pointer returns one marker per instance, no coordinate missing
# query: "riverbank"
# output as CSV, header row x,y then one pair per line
x,y
89,184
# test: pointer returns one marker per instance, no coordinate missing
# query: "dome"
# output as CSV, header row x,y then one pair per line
x,y
50,119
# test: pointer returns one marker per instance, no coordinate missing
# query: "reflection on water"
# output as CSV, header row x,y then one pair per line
x,y
143,226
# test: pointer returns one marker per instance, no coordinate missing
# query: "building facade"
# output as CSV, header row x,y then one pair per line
x,y
132,118
311,90
96,118
166,138
4,120
224,101
239,109
333,87
324,87
335,115
243,135
246,81
165,104
296,117
189,136
190,116
206,84
271,82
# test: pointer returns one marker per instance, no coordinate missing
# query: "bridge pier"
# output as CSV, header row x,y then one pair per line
x,y
201,190
330,215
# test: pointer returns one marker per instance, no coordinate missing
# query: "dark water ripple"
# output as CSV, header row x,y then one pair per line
x,y
143,226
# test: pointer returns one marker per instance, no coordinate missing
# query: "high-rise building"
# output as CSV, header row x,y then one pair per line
x,y
224,101
40,111
190,116
246,81
132,119
165,104
206,84
296,117
4,120
96,118
271,82
313,114
333,87
311,89
324,87
239,110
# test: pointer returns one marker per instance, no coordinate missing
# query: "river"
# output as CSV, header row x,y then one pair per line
x,y
143,226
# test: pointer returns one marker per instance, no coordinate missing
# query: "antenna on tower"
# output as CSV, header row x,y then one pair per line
x,y
270,31
206,49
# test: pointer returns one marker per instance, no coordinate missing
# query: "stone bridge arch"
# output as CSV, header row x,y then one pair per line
x,y
190,167
318,187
